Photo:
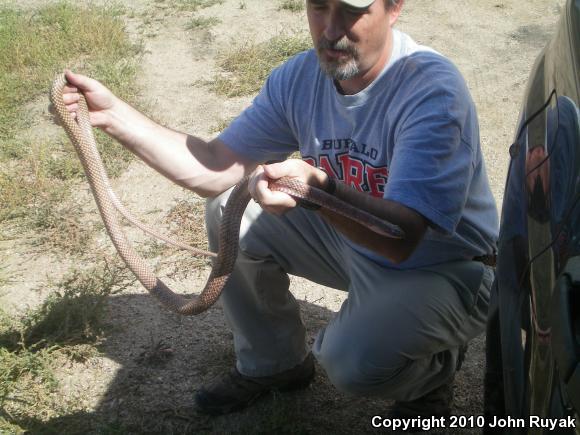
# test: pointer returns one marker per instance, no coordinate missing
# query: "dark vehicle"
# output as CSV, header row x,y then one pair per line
x,y
532,380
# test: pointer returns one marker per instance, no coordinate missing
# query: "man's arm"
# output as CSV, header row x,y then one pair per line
x,y
395,250
412,223
206,168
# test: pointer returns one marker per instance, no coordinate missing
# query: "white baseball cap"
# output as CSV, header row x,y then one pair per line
x,y
358,3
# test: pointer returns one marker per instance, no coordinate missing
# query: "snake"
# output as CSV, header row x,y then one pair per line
x,y
80,133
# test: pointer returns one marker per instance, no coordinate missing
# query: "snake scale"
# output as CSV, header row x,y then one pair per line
x,y
81,135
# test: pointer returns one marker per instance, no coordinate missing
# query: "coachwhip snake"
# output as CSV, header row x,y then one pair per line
x,y
81,135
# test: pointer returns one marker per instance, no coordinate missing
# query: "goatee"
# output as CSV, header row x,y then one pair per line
x,y
339,69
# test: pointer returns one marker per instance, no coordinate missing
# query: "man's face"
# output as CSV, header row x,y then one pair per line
x,y
349,41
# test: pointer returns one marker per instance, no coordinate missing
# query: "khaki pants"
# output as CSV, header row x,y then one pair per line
x,y
396,335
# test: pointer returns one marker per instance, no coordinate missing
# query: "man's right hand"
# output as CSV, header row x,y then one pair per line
x,y
100,100
205,168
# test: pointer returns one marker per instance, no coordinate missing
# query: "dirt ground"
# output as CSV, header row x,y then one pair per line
x,y
494,44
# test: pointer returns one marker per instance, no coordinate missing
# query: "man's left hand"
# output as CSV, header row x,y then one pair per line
x,y
279,202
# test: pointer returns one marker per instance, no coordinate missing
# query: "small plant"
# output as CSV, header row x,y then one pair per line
x,y
25,378
66,327
247,67
292,5
194,5
73,313
201,23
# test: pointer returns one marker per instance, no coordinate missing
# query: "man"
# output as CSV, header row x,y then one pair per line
x,y
387,125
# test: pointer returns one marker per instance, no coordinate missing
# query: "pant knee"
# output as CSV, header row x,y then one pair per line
x,y
354,371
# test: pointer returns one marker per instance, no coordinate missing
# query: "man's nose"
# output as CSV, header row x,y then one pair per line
x,y
335,28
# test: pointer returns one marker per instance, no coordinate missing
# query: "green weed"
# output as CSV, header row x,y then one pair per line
x,y
66,327
200,23
194,5
34,46
247,67
72,315
292,5
36,178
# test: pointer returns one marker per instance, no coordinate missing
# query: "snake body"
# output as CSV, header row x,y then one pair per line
x,y
81,135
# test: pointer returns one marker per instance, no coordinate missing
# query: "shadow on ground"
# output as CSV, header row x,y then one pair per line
x,y
164,358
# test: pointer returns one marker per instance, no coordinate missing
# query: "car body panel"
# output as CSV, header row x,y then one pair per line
x,y
539,238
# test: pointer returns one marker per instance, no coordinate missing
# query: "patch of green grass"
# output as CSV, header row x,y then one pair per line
x,y
34,193
194,5
36,178
74,312
36,45
66,327
26,380
72,315
201,23
292,5
247,67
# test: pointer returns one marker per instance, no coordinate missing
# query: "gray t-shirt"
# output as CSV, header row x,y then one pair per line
x,y
410,136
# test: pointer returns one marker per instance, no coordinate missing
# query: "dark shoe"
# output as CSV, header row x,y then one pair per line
x,y
436,403
235,391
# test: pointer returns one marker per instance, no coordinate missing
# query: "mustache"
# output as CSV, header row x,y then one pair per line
x,y
342,44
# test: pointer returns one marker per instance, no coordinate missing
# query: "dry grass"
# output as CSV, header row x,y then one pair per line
x,y
245,68
68,326
202,23
33,46
292,5
194,5
36,180
186,223
36,177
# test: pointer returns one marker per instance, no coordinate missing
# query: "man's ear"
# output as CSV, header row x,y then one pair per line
x,y
395,11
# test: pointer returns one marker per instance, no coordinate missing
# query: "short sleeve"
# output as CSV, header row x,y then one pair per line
x,y
432,164
262,131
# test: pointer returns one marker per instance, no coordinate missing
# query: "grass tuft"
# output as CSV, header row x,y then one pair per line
x,y
247,67
34,46
25,378
66,327
194,5
202,23
292,5
72,314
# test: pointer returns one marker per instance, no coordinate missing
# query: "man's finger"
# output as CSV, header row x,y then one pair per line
x,y
79,81
277,170
70,98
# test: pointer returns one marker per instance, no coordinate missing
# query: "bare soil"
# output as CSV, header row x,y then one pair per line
x,y
153,361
